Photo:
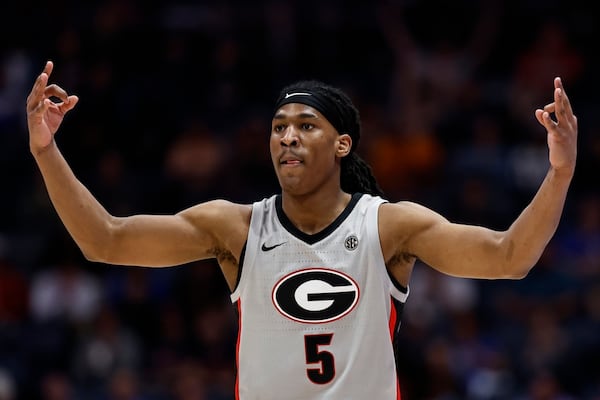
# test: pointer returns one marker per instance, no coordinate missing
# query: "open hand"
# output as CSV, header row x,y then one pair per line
x,y
44,116
562,132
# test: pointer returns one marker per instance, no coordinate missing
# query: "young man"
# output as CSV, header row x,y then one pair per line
x,y
320,272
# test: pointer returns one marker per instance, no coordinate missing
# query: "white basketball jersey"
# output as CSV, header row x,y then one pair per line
x,y
318,314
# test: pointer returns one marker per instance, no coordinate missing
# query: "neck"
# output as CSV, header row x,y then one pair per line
x,y
311,213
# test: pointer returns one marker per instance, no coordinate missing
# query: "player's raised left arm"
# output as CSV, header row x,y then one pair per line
x,y
533,229
478,252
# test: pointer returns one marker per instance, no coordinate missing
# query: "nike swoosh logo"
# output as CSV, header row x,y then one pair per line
x,y
288,95
264,246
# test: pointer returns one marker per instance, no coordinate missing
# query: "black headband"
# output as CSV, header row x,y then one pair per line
x,y
321,103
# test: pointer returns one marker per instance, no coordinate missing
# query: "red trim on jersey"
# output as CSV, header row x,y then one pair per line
x,y
393,317
237,351
392,326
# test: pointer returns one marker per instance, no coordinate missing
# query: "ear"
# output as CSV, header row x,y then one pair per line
x,y
344,145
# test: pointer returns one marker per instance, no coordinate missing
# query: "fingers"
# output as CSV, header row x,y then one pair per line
x,y
562,105
56,91
41,91
538,116
37,92
545,120
62,107
48,68
68,105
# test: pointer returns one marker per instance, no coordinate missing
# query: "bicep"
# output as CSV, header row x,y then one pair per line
x,y
165,240
155,240
454,249
461,250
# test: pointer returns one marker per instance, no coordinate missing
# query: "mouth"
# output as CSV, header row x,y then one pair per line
x,y
290,160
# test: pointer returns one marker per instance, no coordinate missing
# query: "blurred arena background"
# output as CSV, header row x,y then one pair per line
x,y
176,101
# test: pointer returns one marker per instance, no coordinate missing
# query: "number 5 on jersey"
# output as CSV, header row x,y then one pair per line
x,y
326,369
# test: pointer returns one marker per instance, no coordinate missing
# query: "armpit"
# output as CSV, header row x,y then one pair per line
x,y
228,263
400,266
223,256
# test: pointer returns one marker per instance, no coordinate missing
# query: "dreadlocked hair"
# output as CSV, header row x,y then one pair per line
x,y
356,175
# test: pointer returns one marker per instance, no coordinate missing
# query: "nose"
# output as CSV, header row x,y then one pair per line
x,y
290,137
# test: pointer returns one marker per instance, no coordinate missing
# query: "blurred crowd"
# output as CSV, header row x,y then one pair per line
x,y
175,109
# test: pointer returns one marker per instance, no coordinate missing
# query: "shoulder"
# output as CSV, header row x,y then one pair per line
x,y
222,210
219,218
225,221
408,211
405,219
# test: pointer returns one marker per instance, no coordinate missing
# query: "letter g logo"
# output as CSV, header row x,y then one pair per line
x,y
315,295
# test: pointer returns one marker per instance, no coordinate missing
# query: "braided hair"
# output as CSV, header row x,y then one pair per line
x,y
356,175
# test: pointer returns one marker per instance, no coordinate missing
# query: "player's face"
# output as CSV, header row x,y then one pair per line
x,y
305,149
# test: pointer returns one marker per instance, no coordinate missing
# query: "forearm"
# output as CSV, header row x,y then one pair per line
x,y
526,239
83,216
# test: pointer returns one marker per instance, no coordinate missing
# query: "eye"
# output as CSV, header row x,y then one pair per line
x,y
306,126
278,128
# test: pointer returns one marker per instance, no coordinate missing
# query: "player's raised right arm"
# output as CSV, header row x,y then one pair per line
x,y
203,231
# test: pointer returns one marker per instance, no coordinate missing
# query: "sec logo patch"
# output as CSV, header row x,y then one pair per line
x,y
315,295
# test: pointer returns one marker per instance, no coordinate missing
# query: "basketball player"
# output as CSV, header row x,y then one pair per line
x,y
320,272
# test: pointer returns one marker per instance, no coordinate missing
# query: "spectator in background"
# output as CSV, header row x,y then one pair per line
x,y
104,349
65,291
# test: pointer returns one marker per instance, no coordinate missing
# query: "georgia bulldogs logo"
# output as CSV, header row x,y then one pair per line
x,y
315,295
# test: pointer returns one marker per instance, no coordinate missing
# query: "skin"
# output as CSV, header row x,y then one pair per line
x,y
306,151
